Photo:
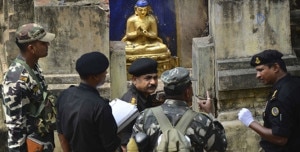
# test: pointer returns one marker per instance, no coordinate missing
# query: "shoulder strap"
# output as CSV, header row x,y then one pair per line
x,y
185,121
42,105
162,119
30,71
165,124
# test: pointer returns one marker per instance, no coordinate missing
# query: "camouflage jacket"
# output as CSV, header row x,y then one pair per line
x,y
20,90
205,134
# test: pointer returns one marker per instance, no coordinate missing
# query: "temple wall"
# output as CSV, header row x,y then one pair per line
x,y
80,27
244,27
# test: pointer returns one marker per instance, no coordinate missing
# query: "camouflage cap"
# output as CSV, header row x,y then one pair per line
x,y
31,32
176,77
265,57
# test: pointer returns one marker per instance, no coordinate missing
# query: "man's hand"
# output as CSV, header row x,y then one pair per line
x,y
205,105
245,116
64,143
123,148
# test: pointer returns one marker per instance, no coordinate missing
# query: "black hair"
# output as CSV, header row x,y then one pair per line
x,y
83,77
22,46
178,90
281,64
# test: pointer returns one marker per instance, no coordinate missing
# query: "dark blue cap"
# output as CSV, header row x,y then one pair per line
x,y
265,57
141,3
143,66
91,63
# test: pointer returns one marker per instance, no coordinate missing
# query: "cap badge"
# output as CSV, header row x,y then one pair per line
x,y
257,60
275,111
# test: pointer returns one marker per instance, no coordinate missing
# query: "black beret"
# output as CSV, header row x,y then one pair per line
x,y
143,66
265,57
91,63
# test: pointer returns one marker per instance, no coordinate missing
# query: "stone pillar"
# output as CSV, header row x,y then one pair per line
x,y
202,62
118,74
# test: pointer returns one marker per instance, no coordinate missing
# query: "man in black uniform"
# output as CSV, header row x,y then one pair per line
x,y
280,132
144,83
85,122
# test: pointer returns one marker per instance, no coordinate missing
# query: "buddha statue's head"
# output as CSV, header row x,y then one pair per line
x,y
142,8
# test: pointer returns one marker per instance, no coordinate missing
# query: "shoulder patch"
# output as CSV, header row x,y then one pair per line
x,y
275,111
23,78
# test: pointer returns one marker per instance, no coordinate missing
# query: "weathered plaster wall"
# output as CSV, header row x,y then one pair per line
x,y
192,20
244,27
79,27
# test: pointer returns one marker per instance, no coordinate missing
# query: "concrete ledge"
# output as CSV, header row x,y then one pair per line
x,y
62,78
237,74
244,63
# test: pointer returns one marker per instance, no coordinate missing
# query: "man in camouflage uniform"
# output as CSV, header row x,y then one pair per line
x,y
21,90
203,132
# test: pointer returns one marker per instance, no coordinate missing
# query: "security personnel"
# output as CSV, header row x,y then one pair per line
x,y
205,133
144,82
85,122
21,89
280,131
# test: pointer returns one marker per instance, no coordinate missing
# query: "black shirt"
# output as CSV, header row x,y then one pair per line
x,y
135,97
282,114
86,120
141,101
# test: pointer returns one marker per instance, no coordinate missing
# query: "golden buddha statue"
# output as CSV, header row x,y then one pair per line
x,y
142,39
